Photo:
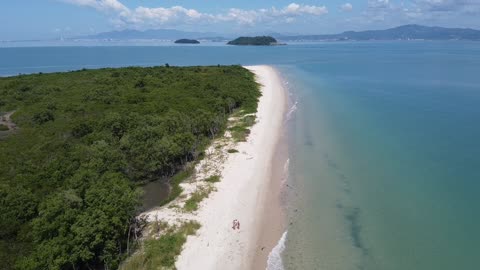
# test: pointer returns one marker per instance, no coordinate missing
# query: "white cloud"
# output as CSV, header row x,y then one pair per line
x,y
286,14
160,16
143,15
346,7
240,16
296,9
102,5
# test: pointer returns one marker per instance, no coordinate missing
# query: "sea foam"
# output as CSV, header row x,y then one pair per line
x,y
274,261
285,172
291,111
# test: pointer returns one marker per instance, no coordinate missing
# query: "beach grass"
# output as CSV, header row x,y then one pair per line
x,y
213,179
241,130
239,133
161,252
248,120
231,151
198,196
157,226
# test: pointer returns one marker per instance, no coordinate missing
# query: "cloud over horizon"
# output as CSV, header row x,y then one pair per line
x,y
312,16
141,17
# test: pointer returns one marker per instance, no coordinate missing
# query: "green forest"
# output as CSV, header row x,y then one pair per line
x,y
84,142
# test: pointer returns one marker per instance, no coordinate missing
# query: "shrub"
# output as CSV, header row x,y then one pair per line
x,y
140,84
24,88
43,117
81,130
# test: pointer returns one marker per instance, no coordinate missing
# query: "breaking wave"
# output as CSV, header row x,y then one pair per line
x,y
274,261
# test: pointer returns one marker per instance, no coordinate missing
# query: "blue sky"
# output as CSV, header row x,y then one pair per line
x,y
34,19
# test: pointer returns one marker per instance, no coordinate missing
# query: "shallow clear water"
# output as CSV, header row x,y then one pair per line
x,y
386,158
384,165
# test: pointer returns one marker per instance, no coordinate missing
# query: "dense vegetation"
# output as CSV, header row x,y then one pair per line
x,y
187,41
69,175
258,41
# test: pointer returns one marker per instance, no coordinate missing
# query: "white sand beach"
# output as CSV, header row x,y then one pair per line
x,y
241,194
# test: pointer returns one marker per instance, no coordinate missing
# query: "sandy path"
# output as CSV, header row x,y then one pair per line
x,y
7,121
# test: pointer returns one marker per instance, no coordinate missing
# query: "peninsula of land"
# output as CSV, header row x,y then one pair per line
x,y
78,147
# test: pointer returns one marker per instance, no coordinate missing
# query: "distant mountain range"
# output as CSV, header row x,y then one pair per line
x,y
158,34
405,32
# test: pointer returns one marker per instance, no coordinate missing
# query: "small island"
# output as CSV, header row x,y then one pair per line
x,y
255,41
187,41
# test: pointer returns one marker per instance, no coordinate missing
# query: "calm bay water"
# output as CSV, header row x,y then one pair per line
x,y
384,165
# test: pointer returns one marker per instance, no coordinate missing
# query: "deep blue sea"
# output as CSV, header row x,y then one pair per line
x,y
384,144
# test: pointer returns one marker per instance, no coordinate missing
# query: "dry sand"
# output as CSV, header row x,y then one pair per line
x,y
245,192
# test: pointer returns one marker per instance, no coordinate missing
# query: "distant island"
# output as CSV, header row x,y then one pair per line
x,y
187,41
255,41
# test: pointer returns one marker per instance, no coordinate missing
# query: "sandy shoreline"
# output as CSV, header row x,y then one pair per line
x,y
271,219
249,192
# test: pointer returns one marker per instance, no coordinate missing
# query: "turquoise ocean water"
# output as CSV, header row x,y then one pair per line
x,y
384,144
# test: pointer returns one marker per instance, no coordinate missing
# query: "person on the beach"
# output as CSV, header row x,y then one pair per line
x,y
235,222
